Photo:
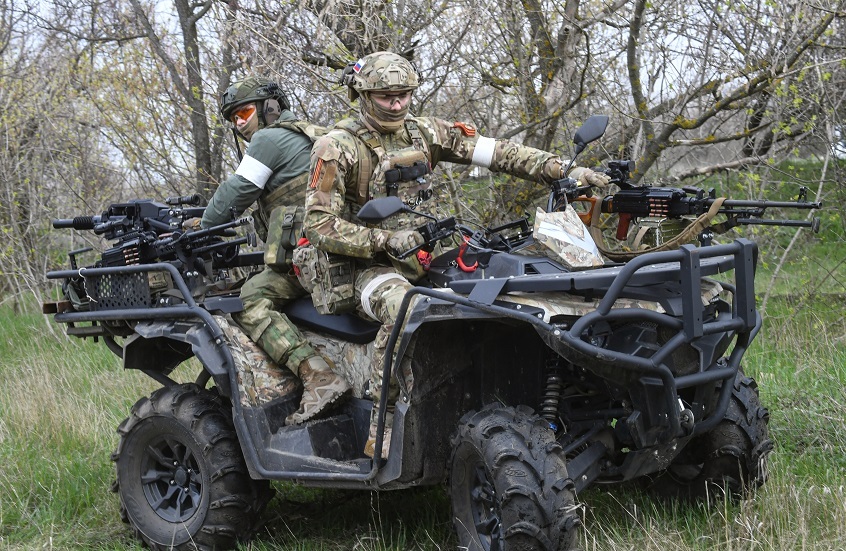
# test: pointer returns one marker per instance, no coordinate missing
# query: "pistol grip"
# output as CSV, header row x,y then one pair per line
x,y
623,226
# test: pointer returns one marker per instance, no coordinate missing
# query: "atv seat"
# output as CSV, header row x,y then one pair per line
x,y
348,327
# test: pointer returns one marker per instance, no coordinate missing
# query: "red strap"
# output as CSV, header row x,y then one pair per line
x,y
460,260
303,241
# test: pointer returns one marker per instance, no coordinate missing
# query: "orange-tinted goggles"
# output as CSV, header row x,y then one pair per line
x,y
244,112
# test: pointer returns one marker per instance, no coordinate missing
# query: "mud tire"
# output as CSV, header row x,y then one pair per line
x,y
509,485
730,460
185,434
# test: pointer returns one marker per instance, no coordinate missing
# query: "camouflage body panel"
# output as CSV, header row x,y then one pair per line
x,y
260,380
563,304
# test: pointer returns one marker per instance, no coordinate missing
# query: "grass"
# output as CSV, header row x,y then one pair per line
x,y
63,398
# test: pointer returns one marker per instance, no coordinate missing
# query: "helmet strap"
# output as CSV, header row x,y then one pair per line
x,y
237,144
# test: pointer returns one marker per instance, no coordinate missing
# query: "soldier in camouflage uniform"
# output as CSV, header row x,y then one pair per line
x,y
385,152
272,172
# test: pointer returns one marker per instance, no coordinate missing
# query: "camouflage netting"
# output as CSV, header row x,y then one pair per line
x,y
352,361
260,380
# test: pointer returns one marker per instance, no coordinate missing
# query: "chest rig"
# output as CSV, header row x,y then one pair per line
x,y
389,166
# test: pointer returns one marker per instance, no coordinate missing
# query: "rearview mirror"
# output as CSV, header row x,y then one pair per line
x,y
592,129
376,210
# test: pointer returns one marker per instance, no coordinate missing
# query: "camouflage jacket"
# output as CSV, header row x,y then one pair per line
x,y
334,193
274,159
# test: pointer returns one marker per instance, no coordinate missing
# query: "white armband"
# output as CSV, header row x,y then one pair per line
x,y
255,171
483,152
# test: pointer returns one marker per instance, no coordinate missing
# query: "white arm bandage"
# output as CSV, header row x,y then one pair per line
x,y
483,152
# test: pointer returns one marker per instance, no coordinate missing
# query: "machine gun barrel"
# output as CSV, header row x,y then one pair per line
x,y
77,223
741,203
217,230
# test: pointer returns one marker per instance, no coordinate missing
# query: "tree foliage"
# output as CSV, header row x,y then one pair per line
x,y
103,99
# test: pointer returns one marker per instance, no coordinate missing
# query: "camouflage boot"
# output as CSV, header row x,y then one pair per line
x,y
370,445
321,387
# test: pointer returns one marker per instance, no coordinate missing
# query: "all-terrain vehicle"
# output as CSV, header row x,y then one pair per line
x,y
529,370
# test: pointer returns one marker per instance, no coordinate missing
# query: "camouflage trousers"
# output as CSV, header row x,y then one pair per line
x,y
379,291
263,295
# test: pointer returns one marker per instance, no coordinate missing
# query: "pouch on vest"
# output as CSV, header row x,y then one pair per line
x,y
259,223
284,229
329,278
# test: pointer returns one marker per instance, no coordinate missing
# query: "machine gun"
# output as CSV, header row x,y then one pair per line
x,y
146,232
634,202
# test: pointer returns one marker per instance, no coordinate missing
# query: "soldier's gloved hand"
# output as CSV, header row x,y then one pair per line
x,y
588,177
403,240
192,224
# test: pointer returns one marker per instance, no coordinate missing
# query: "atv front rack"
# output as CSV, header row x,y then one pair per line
x,y
671,278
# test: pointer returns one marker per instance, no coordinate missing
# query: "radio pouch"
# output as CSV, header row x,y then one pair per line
x,y
329,278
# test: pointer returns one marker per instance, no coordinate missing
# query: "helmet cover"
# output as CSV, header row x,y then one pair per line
x,y
254,89
382,72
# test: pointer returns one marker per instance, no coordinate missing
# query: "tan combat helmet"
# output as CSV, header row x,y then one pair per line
x,y
380,71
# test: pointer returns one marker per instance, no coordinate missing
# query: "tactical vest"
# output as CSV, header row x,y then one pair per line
x,y
280,213
293,191
391,169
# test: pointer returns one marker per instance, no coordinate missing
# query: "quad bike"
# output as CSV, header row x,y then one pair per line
x,y
529,367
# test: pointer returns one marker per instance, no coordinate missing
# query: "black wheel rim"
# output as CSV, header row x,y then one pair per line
x,y
171,478
483,507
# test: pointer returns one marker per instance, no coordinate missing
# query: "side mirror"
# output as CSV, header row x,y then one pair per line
x,y
376,210
592,129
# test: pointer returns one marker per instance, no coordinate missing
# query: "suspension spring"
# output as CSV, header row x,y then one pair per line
x,y
552,393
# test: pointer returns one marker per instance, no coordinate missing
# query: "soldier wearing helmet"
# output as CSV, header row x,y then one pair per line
x,y
273,173
386,152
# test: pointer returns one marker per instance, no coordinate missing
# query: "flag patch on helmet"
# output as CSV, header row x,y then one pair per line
x,y
358,65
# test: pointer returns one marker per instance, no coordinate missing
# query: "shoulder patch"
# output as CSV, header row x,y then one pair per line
x,y
323,175
466,129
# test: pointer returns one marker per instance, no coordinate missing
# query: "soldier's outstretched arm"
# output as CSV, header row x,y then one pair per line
x,y
331,170
459,142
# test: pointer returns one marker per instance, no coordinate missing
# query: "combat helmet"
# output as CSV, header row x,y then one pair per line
x,y
269,98
380,71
